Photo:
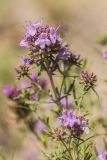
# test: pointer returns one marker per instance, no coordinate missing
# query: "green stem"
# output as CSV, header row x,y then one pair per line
x,y
77,149
71,158
53,86
81,99
62,85
74,94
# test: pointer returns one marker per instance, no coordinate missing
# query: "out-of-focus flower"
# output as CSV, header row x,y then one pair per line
x,y
76,124
29,153
33,97
10,91
103,156
66,102
67,56
105,54
23,85
43,83
40,126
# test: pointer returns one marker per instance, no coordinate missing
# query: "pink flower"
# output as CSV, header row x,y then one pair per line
x,y
10,91
33,76
105,54
103,156
43,83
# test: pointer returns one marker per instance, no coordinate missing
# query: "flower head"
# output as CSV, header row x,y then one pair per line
x,y
45,44
76,124
39,37
58,133
33,76
43,83
88,80
25,60
10,91
22,70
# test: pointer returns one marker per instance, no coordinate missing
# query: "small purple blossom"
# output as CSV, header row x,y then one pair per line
x,y
105,54
31,28
43,83
53,35
25,60
33,76
63,53
10,91
24,43
43,41
76,124
103,156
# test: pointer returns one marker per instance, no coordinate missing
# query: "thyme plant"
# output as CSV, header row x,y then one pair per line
x,y
52,107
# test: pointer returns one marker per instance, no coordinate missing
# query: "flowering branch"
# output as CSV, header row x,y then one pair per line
x,y
52,56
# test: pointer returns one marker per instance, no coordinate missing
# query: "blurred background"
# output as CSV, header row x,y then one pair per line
x,y
84,25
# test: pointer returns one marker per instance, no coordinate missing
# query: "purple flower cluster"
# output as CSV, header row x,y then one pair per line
x,y
45,44
103,156
76,124
39,37
12,92
19,96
